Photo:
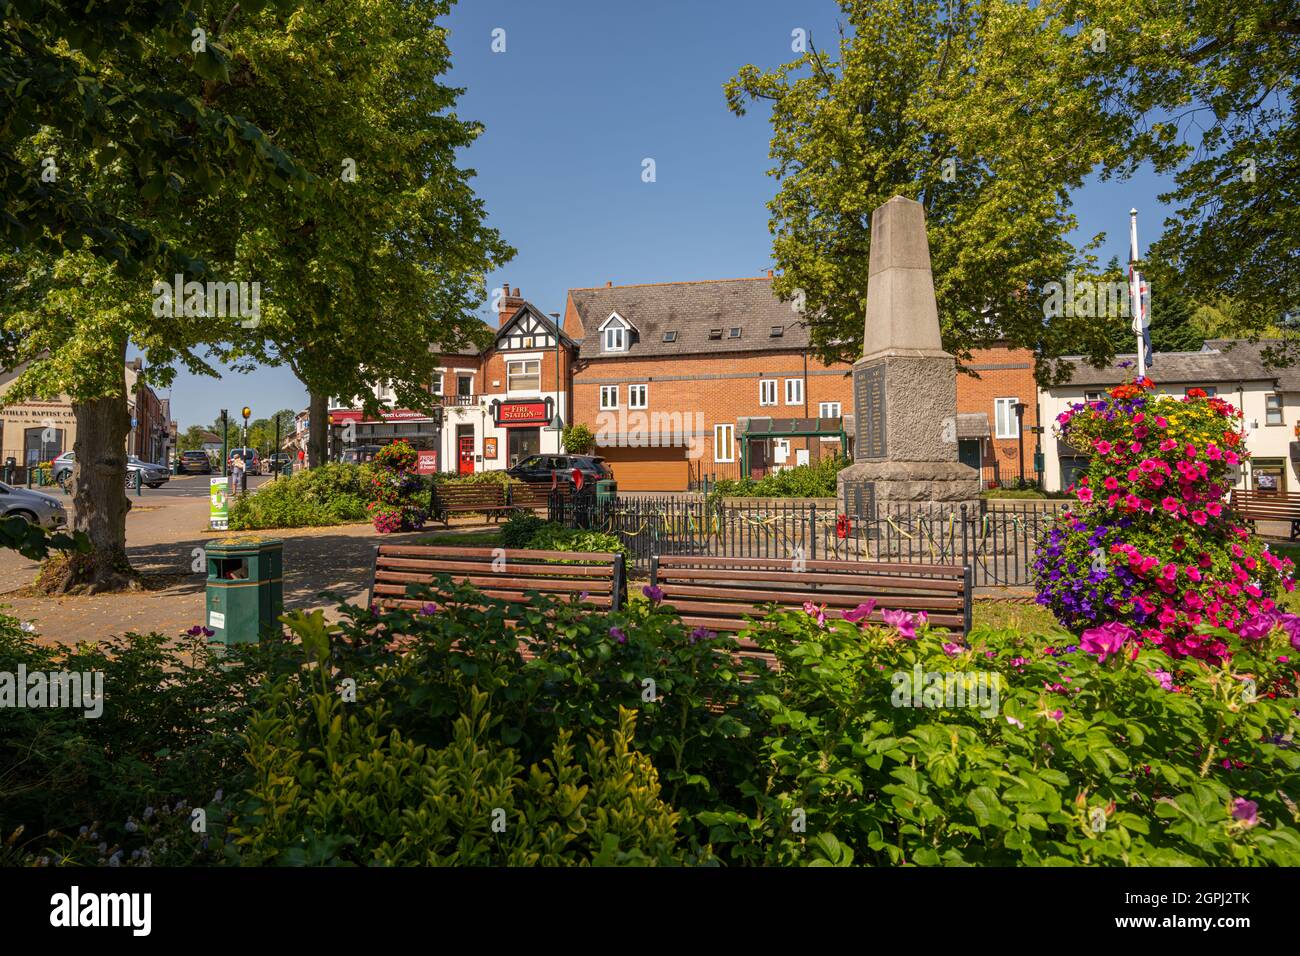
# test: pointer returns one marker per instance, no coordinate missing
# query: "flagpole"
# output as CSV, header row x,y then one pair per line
x,y
1135,291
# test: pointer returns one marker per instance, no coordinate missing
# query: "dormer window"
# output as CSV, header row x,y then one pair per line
x,y
734,332
614,334
715,333
670,336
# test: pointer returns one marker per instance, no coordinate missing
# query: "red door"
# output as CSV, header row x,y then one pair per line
x,y
467,455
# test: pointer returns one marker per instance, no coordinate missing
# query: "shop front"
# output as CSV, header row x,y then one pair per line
x,y
522,422
422,432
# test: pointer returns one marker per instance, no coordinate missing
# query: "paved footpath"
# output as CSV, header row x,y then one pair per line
x,y
163,529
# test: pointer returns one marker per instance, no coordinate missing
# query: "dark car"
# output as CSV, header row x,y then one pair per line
x,y
541,467
195,463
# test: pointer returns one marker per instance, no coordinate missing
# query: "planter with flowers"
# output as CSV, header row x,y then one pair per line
x,y
395,490
1152,547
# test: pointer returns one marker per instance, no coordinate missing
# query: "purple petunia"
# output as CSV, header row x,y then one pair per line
x,y
1245,811
617,634
701,634
654,593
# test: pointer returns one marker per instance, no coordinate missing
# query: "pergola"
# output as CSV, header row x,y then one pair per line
x,y
761,429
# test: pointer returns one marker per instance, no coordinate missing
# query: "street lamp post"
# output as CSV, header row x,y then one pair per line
x,y
1020,436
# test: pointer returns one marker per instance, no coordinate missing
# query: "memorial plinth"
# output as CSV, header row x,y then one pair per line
x,y
905,384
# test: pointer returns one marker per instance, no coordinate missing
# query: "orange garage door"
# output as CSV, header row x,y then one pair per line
x,y
647,469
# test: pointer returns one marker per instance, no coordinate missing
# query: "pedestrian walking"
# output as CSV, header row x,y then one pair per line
x,y
238,473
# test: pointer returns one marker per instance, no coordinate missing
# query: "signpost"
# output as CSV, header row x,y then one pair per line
x,y
219,503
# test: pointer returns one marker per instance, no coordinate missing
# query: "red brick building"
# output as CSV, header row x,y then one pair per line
x,y
682,382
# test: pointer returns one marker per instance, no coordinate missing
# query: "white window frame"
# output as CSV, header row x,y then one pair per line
x,y
1269,409
766,394
797,391
605,404
436,387
1010,405
823,406
511,376
614,333
724,443
632,391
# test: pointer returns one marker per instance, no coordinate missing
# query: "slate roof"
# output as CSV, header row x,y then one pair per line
x,y
1221,361
691,309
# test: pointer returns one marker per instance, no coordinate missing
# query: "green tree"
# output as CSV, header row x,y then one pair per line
x,y
388,256
88,75
1210,91
127,110
980,110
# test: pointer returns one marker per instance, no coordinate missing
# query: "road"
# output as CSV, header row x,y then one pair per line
x,y
166,531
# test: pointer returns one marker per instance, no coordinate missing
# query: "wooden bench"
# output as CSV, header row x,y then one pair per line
x,y
537,496
1268,506
500,573
717,593
487,498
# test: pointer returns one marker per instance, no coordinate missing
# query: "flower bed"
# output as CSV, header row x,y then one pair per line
x,y
1151,542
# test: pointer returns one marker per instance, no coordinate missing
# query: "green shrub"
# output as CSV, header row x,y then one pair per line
x,y
551,536
518,530
326,495
370,795
170,730
801,481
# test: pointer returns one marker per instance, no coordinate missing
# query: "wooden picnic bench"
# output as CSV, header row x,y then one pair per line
x,y
488,499
498,572
1268,506
492,499
716,593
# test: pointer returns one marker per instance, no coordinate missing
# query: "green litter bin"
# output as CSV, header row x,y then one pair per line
x,y
606,491
245,594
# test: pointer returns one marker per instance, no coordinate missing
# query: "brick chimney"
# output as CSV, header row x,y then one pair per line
x,y
510,303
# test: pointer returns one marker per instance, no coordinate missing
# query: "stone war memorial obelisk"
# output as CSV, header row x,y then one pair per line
x,y
905,384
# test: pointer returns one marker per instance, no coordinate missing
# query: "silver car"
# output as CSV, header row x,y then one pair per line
x,y
151,475
34,507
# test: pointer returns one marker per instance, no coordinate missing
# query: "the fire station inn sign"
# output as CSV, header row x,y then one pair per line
x,y
506,414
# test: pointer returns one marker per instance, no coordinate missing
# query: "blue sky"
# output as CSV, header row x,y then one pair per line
x,y
584,92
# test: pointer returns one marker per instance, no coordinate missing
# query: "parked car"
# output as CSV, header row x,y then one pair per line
x,y
63,469
540,467
195,463
34,507
252,461
360,454
278,460
153,475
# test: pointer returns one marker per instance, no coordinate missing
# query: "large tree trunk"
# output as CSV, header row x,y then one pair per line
x,y
318,434
99,501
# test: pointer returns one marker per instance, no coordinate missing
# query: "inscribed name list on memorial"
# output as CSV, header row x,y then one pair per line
x,y
869,411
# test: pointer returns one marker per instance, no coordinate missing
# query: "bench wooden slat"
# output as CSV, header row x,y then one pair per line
x,y
516,567
797,578
832,600
784,564
448,551
599,576
716,593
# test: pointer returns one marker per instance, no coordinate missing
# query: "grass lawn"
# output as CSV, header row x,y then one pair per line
x,y
1025,617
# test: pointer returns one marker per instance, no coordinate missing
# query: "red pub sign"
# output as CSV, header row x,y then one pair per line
x,y
522,413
